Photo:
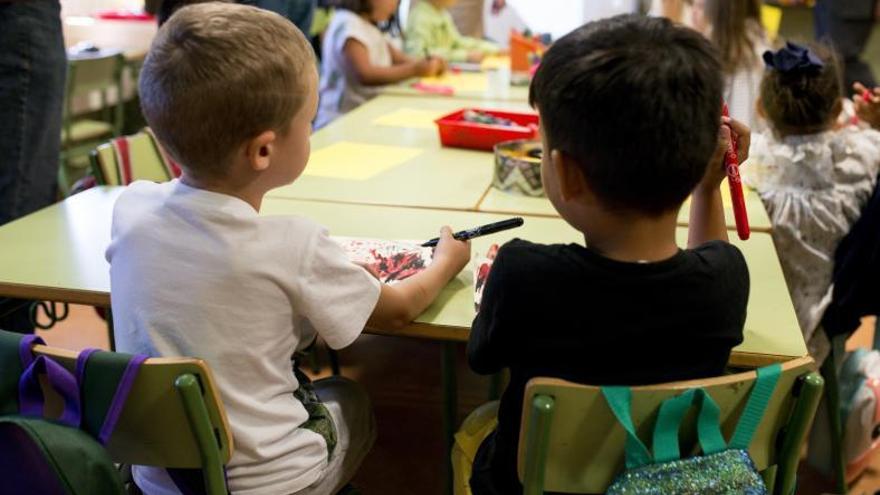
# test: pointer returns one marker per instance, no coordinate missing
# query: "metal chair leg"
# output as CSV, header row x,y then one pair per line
x,y
450,410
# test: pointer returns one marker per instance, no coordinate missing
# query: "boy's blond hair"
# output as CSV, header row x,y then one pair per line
x,y
218,74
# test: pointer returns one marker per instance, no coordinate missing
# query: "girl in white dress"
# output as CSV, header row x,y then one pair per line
x,y
813,175
734,26
357,58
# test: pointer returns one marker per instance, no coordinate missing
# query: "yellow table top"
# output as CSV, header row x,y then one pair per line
x,y
497,201
58,254
388,152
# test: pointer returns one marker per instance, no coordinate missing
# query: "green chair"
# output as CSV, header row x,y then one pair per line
x,y
87,75
571,442
173,418
129,158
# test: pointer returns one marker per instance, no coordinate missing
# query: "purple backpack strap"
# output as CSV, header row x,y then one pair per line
x,y
24,349
120,396
30,395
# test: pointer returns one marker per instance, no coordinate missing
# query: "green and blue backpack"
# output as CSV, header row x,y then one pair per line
x,y
722,469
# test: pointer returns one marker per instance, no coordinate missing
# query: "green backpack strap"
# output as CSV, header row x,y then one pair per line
x,y
672,411
619,400
751,417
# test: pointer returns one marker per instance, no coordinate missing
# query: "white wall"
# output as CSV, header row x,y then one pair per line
x,y
557,17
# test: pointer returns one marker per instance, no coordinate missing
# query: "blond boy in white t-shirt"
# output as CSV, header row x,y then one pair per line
x,y
230,91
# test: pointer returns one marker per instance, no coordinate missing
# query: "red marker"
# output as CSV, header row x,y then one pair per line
x,y
731,162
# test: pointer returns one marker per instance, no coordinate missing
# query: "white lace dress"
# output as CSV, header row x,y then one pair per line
x,y
814,188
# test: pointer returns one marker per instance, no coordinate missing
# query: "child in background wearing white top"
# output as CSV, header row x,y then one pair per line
x,y
230,91
358,59
734,27
813,177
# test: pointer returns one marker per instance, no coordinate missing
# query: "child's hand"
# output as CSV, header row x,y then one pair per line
x,y
717,170
475,57
429,67
868,109
451,251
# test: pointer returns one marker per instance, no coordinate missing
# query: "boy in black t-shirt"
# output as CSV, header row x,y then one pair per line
x,y
631,124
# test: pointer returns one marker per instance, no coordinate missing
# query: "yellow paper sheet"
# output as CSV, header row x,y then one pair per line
x,y
468,82
410,118
357,161
496,62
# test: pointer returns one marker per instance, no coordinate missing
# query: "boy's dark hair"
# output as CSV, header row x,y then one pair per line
x,y
636,101
803,102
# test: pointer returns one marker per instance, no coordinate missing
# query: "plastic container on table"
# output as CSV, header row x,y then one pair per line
x,y
521,47
457,132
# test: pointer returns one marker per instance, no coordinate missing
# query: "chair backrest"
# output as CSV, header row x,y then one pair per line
x,y
129,158
100,73
584,449
156,427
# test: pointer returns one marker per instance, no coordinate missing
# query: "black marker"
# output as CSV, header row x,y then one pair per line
x,y
482,230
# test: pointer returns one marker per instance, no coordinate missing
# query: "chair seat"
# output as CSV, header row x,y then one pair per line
x,y
86,130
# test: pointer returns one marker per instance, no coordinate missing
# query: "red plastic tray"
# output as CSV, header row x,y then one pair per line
x,y
458,133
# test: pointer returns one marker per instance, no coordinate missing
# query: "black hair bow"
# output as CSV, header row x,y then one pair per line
x,y
793,58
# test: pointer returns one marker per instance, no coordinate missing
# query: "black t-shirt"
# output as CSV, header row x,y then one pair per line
x,y
565,311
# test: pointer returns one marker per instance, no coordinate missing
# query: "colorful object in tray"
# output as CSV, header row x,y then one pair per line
x,y
482,267
518,168
457,131
731,162
479,117
390,261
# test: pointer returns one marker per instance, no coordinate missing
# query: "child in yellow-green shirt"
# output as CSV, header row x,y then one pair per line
x,y
431,31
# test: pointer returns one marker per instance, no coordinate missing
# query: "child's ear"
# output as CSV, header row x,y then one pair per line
x,y
759,109
568,175
258,150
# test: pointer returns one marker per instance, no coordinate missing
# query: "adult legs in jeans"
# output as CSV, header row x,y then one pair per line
x,y
352,413
32,72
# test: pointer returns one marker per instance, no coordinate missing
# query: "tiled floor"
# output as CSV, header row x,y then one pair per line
x,y
403,379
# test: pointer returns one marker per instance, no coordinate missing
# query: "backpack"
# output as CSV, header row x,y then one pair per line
x,y
63,454
859,379
721,469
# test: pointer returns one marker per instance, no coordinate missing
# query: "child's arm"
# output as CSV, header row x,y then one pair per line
x,y
398,58
371,75
403,302
707,213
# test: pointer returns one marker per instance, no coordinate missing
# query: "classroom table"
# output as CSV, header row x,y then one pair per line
x,y
497,201
492,83
388,152
131,37
57,254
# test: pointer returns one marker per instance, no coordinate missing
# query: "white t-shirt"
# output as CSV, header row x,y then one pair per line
x,y
341,91
197,273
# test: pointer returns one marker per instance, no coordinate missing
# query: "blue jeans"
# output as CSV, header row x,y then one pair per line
x,y
33,64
